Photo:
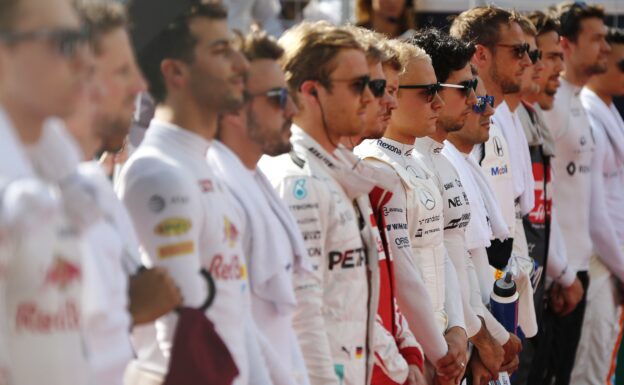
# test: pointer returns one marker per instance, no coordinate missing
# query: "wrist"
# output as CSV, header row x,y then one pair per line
x,y
481,337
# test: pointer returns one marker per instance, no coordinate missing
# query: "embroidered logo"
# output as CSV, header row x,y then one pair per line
x,y
230,232
299,191
62,273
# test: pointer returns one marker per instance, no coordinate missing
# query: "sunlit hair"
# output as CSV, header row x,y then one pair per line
x,y
310,50
482,25
370,41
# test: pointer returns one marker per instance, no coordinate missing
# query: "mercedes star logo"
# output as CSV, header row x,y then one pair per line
x,y
426,198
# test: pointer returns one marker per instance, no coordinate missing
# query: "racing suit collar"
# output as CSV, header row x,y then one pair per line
x,y
355,177
428,145
179,136
573,89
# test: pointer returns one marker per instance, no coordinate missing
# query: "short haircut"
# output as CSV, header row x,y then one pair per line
x,y
260,45
364,12
391,56
543,22
571,14
482,25
369,40
409,52
448,54
615,36
527,26
310,50
101,17
174,42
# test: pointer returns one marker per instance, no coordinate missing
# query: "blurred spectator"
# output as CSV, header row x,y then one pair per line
x,y
393,18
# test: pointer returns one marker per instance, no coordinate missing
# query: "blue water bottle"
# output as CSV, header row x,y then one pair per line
x,y
504,302
504,307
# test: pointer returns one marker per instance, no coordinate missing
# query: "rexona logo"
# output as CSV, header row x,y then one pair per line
x,y
499,170
388,146
172,227
348,259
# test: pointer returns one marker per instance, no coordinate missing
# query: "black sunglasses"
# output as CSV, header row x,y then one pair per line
x,y
277,96
358,85
518,49
431,90
377,87
467,85
535,55
482,102
65,41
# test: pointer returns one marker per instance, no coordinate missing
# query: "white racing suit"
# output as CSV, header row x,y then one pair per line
x,y
334,316
41,250
414,225
112,258
395,346
602,325
572,203
456,217
185,222
275,252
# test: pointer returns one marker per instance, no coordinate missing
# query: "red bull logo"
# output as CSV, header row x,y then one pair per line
x,y
230,232
62,273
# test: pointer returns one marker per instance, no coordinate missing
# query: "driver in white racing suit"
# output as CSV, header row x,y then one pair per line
x,y
318,181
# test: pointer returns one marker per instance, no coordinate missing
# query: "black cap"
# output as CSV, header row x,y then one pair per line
x,y
149,17
505,287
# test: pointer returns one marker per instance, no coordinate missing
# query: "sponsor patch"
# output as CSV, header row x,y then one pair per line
x,y
231,269
230,232
172,227
498,147
30,317
426,198
206,185
311,235
62,273
496,171
389,147
348,259
176,249
156,204
299,191
359,352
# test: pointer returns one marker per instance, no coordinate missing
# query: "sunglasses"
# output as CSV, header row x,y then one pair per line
x,y
277,96
431,90
535,55
377,87
358,85
482,102
65,42
467,85
518,49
